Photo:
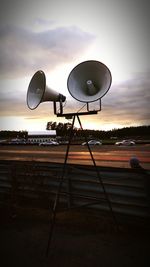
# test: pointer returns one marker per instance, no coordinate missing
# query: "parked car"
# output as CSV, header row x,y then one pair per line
x,y
49,143
125,143
3,142
17,142
92,143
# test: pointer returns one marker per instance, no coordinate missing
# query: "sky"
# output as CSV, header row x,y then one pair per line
x,y
55,36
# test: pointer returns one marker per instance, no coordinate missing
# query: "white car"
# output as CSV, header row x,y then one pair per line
x,y
125,143
92,143
49,143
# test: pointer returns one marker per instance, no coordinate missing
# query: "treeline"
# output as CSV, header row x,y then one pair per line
x,y
63,130
13,134
138,132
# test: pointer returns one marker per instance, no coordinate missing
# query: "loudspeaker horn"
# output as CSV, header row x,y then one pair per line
x,y
38,92
89,81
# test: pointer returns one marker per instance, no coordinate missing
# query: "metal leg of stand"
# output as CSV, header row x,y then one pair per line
x,y
98,174
54,210
53,218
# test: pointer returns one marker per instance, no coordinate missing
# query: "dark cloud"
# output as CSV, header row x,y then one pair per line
x,y
129,101
22,51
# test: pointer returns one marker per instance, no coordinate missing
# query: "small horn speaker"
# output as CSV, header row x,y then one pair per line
x,y
89,81
38,92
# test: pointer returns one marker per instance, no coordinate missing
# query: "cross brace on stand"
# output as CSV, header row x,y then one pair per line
x,y
56,201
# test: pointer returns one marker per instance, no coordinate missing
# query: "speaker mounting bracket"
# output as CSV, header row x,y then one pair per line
x,y
60,107
70,115
88,105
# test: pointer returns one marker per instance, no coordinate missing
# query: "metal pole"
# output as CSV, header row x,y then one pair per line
x,y
53,217
98,174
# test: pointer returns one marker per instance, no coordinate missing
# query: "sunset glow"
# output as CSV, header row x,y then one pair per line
x,y
55,37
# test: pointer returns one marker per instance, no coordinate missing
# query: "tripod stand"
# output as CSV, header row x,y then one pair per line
x,y
56,201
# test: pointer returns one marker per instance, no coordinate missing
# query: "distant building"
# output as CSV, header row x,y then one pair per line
x,y
35,137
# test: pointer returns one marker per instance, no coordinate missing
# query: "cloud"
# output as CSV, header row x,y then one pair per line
x,y
126,103
129,101
43,22
22,50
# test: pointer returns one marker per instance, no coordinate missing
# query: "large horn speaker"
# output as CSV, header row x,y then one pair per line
x,y
38,92
89,81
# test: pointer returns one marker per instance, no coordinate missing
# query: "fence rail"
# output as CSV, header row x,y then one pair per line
x,y
36,183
